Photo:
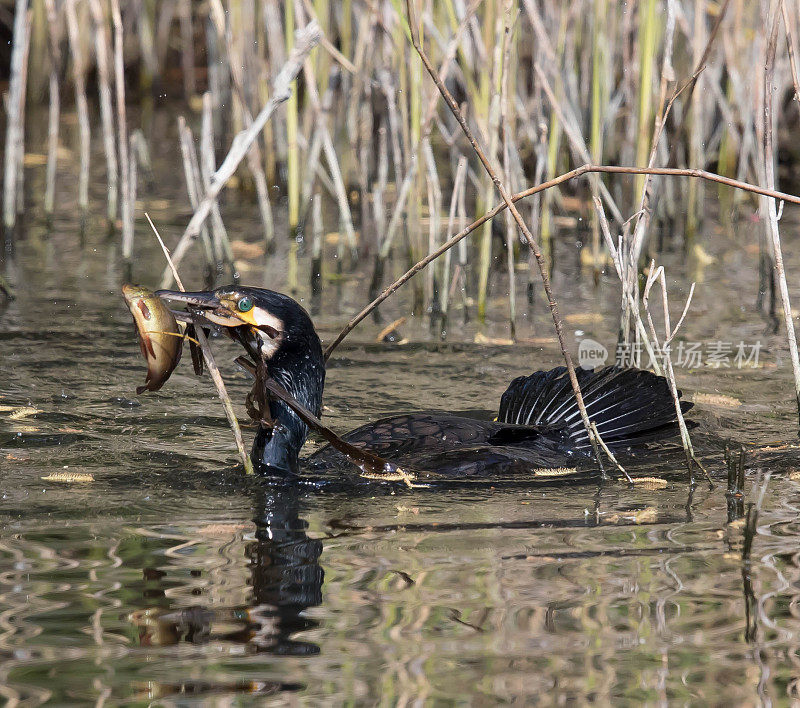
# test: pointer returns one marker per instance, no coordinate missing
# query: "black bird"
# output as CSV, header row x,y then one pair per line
x,y
538,423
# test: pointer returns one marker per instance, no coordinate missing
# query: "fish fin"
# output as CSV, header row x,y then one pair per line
x,y
627,405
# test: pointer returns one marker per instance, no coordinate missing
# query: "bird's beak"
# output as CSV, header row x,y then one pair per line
x,y
202,299
206,302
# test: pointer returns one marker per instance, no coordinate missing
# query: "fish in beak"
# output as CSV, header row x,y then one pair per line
x,y
160,338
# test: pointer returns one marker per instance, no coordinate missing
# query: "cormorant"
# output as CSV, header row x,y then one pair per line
x,y
538,424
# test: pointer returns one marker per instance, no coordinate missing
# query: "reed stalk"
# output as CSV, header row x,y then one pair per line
x,y
187,47
509,20
207,166
126,197
82,104
194,188
106,110
769,153
316,255
293,157
15,138
332,160
306,39
455,198
54,112
647,54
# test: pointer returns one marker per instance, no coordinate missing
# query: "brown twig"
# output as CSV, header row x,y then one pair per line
x,y
566,177
371,465
208,355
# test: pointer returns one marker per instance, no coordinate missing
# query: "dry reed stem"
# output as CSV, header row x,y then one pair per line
x,y
54,111
14,128
657,274
254,163
208,355
305,40
769,154
79,79
458,190
126,198
106,111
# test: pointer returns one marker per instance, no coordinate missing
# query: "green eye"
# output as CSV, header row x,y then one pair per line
x,y
245,304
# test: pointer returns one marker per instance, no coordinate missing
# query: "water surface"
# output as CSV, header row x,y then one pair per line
x,y
171,577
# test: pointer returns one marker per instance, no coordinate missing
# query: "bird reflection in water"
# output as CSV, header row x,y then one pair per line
x,y
285,578
285,574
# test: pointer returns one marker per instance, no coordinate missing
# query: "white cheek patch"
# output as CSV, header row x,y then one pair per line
x,y
269,345
262,318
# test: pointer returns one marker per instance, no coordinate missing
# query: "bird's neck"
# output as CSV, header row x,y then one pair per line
x,y
276,450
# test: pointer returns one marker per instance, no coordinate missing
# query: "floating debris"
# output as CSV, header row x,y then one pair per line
x,y
389,333
651,483
481,338
555,471
648,515
716,399
19,412
69,477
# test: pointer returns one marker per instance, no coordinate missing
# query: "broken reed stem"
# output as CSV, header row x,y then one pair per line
x,y
305,41
208,355
629,303
543,271
126,199
566,177
769,154
14,128
657,274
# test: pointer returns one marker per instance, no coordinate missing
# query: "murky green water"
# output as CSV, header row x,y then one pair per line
x,y
170,578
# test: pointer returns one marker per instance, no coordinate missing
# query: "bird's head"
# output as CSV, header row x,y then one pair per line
x,y
274,329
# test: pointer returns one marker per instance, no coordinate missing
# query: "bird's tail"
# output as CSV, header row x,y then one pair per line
x,y
628,406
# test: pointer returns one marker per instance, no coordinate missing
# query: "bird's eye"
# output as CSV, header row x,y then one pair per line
x,y
245,304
